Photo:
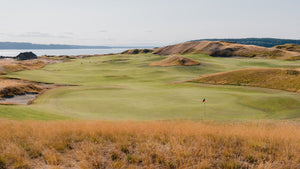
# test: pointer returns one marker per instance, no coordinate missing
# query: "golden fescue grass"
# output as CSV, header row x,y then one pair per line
x,y
14,66
99,144
8,82
283,79
289,47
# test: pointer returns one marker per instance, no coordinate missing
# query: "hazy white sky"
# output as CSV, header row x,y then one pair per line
x,y
145,22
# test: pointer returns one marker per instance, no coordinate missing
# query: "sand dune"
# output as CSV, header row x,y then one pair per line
x,y
225,49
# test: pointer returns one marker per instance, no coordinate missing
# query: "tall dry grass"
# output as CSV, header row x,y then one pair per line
x,y
100,144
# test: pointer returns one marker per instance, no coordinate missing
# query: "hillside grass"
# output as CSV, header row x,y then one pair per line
x,y
124,87
289,47
283,79
100,144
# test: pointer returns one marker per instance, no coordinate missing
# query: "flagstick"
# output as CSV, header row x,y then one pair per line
x,y
204,110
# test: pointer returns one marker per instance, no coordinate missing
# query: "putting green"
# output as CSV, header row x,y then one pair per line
x,y
124,87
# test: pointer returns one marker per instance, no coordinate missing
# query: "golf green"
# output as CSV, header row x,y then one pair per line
x,y
124,87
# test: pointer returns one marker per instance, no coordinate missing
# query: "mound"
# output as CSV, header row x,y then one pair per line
x,y
13,65
224,49
12,87
283,79
11,91
175,61
289,47
137,51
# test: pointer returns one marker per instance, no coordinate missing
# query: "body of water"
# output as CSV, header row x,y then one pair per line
x,y
40,52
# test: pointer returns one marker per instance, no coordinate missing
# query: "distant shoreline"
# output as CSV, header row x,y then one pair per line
x,y
31,46
10,53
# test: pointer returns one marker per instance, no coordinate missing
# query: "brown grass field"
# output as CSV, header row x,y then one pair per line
x,y
160,144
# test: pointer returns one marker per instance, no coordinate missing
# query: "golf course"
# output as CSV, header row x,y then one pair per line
x,y
150,111
125,87
194,84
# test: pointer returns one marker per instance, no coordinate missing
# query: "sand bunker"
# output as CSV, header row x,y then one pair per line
x,y
19,99
175,61
16,91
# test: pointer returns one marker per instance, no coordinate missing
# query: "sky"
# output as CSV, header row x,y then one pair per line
x,y
145,22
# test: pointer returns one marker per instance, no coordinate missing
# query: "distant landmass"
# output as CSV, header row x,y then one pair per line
x,y
25,45
265,42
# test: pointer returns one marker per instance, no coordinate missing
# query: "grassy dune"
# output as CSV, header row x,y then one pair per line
x,y
99,144
124,87
283,79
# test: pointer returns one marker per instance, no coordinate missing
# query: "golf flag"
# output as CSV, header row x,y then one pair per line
x,y
203,100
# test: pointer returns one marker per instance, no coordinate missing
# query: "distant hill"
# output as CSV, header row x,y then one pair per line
x,y
24,45
265,42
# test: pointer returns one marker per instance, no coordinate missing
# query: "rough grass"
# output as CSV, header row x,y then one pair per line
x,y
14,66
289,47
283,79
175,61
99,144
124,87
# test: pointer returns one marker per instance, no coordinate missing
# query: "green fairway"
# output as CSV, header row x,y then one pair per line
x,y
124,87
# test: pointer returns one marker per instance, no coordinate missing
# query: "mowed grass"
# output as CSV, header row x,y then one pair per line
x,y
124,87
